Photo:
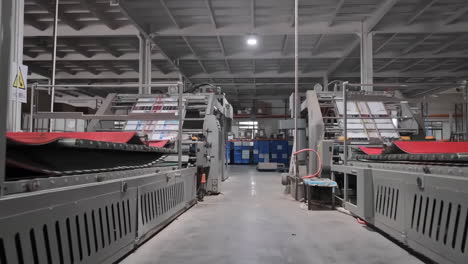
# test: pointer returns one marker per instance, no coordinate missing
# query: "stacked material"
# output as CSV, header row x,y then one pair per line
x,y
32,155
417,151
155,129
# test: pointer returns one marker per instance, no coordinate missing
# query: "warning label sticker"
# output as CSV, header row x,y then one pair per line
x,y
20,82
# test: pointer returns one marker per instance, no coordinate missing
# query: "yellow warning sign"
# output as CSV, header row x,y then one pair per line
x,y
19,80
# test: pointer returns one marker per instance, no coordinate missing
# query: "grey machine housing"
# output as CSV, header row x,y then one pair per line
x,y
423,206
100,217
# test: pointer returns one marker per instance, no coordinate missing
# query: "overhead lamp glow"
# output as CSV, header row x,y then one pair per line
x,y
252,41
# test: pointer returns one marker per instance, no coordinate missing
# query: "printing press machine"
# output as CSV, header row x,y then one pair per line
x,y
95,196
414,191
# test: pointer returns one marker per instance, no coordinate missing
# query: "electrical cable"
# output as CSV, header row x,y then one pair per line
x,y
317,173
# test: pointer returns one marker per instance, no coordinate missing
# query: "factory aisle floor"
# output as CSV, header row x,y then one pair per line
x,y
254,222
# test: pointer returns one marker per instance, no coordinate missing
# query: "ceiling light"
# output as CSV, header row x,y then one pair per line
x,y
252,40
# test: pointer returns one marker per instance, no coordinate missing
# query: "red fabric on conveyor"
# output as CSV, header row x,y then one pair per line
x,y
431,147
371,150
39,138
158,143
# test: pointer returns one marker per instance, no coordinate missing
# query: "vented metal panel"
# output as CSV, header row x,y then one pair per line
x,y
426,211
386,202
438,217
93,223
389,204
159,203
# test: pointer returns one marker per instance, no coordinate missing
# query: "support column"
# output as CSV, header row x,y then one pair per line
x,y
16,58
465,111
145,64
325,83
7,34
367,60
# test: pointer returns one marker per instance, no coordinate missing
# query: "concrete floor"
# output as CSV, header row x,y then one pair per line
x,y
254,222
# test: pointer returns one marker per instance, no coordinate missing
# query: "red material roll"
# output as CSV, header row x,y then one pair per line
x,y
158,143
39,138
431,147
371,150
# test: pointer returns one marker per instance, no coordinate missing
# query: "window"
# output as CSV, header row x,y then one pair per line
x,y
247,129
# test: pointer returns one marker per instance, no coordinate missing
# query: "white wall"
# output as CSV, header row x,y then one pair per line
x,y
269,124
277,106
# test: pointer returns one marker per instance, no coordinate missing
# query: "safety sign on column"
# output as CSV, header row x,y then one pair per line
x,y
19,83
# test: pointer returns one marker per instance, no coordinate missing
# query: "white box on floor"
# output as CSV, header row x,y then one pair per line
x,y
267,166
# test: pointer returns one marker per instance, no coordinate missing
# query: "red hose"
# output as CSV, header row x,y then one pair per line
x,y
360,221
316,174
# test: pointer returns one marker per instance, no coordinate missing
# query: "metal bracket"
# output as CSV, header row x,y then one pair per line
x,y
123,187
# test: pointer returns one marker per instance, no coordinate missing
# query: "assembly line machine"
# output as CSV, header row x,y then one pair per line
x,y
92,197
415,191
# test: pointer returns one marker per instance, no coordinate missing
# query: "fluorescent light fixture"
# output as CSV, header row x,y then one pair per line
x,y
252,40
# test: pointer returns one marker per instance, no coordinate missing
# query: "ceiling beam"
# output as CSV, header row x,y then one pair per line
x,y
112,68
195,54
371,22
404,52
158,67
460,67
90,31
337,9
386,65
169,13
284,47
430,91
252,14
135,66
422,7
221,46
357,67
152,36
448,44
271,74
317,43
209,6
223,51
284,44
64,17
437,65
412,65
31,54
280,28
106,75
368,26
44,44
315,50
354,45
457,15
39,70
228,66
76,46
30,20
87,68
415,44
136,45
106,46
99,13
313,28
62,68
385,43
